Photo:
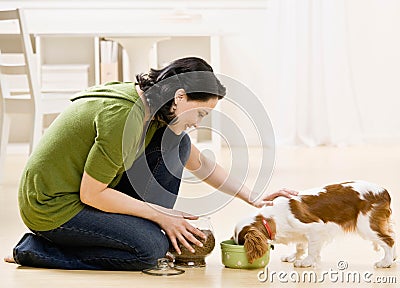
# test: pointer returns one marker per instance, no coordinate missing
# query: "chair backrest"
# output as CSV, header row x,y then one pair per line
x,y
17,60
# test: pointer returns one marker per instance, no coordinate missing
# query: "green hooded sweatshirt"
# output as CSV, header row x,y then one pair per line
x,y
99,133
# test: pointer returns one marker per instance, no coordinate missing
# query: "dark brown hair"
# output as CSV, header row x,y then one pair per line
x,y
192,74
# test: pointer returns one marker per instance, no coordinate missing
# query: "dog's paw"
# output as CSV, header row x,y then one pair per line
x,y
289,258
309,261
384,263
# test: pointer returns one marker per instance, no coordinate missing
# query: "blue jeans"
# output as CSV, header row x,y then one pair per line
x,y
97,240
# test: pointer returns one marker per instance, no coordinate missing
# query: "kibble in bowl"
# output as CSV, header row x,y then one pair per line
x,y
197,259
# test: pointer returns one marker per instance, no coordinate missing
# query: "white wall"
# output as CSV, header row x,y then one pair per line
x,y
250,52
375,45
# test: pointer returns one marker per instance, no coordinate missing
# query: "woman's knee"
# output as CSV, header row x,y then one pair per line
x,y
156,247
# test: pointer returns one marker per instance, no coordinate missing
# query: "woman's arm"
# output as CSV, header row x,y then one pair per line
x,y
98,195
216,176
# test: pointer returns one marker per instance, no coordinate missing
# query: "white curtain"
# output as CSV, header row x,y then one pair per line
x,y
316,103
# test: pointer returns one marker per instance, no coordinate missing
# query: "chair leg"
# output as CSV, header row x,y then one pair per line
x,y
37,131
4,133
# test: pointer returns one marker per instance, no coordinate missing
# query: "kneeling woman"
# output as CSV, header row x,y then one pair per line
x,y
99,189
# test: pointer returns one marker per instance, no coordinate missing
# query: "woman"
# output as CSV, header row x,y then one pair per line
x,y
85,209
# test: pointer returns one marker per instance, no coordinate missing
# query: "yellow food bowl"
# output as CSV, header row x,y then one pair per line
x,y
234,256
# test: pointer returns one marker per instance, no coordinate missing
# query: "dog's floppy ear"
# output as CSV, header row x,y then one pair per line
x,y
255,243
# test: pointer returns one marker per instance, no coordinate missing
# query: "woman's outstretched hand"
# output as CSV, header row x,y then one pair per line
x,y
266,199
179,230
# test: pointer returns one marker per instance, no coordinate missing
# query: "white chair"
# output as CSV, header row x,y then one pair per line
x,y
19,82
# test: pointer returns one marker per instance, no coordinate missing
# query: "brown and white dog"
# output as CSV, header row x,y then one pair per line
x,y
315,216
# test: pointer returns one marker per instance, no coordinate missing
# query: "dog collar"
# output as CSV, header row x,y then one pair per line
x,y
266,225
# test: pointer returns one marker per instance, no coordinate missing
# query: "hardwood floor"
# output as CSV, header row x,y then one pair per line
x,y
295,168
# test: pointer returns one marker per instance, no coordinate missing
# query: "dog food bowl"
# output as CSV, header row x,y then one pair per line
x,y
188,259
234,256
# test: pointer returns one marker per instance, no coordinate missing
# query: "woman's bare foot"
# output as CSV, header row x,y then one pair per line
x,y
9,259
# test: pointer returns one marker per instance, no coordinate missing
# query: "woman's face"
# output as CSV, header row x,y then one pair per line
x,y
189,113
